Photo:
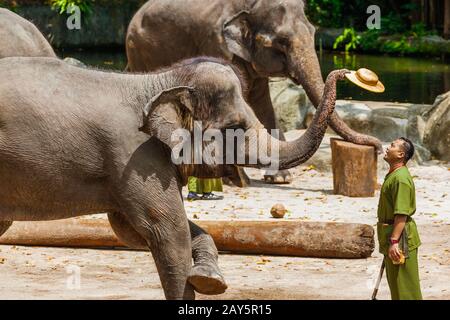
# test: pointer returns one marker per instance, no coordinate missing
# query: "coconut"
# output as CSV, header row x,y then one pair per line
x,y
278,211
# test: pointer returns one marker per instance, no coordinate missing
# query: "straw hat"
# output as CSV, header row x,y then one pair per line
x,y
366,79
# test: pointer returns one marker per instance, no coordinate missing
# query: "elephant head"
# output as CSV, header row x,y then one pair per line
x,y
277,39
212,93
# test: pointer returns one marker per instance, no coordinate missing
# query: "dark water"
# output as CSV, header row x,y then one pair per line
x,y
414,80
411,80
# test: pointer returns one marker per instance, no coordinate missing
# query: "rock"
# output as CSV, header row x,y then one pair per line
x,y
74,62
325,37
290,103
432,44
358,115
436,135
278,211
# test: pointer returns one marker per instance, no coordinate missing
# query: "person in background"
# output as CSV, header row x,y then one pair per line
x,y
397,231
206,187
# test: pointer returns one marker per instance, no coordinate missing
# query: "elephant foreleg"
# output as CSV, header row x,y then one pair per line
x,y
261,103
205,275
4,226
166,232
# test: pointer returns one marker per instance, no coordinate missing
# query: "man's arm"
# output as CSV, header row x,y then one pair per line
x,y
399,225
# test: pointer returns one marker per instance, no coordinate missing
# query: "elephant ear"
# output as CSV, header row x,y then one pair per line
x,y
167,112
237,35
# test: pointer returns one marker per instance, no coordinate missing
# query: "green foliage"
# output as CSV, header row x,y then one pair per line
x,y
392,23
62,5
9,5
349,38
326,13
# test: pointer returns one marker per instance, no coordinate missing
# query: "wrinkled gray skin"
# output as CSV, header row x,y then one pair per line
x,y
264,38
75,141
21,38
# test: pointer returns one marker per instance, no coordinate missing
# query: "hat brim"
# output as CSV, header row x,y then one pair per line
x,y
378,88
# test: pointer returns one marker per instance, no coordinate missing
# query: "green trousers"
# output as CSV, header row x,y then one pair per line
x,y
404,279
204,185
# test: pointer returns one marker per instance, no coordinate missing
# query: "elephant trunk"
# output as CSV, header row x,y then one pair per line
x,y
293,153
305,70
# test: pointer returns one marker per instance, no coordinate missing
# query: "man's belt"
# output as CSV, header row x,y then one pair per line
x,y
403,241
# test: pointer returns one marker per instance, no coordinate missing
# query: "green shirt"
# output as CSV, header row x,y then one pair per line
x,y
398,196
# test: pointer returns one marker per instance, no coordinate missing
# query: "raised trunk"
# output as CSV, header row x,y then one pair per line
x,y
293,153
306,70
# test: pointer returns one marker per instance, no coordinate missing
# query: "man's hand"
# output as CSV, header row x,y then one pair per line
x,y
394,252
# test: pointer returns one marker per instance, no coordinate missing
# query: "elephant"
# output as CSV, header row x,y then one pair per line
x,y
264,38
75,141
21,38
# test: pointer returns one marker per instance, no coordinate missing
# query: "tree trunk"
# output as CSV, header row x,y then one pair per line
x,y
283,237
433,14
416,14
447,19
354,169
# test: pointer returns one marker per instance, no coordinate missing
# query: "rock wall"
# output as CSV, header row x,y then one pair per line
x,y
436,133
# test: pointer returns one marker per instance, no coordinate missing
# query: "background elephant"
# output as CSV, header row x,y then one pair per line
x,y
75,141
21,38
264,38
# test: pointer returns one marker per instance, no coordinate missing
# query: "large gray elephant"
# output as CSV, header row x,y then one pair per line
x,y
21,38
75,141
264,38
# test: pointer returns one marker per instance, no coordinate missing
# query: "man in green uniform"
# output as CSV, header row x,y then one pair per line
x,y
396,206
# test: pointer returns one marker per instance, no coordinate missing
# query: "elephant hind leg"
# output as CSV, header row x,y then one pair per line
x,y
4,226
125,232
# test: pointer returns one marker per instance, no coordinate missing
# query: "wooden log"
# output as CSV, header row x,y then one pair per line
x,y
354,169
287,237
293,238
83,233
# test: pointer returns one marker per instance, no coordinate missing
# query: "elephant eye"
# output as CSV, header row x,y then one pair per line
x,y
282,42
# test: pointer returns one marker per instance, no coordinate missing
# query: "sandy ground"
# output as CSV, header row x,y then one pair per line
x,y
58,273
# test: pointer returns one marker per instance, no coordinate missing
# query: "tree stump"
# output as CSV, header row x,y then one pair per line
x,y
354,169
